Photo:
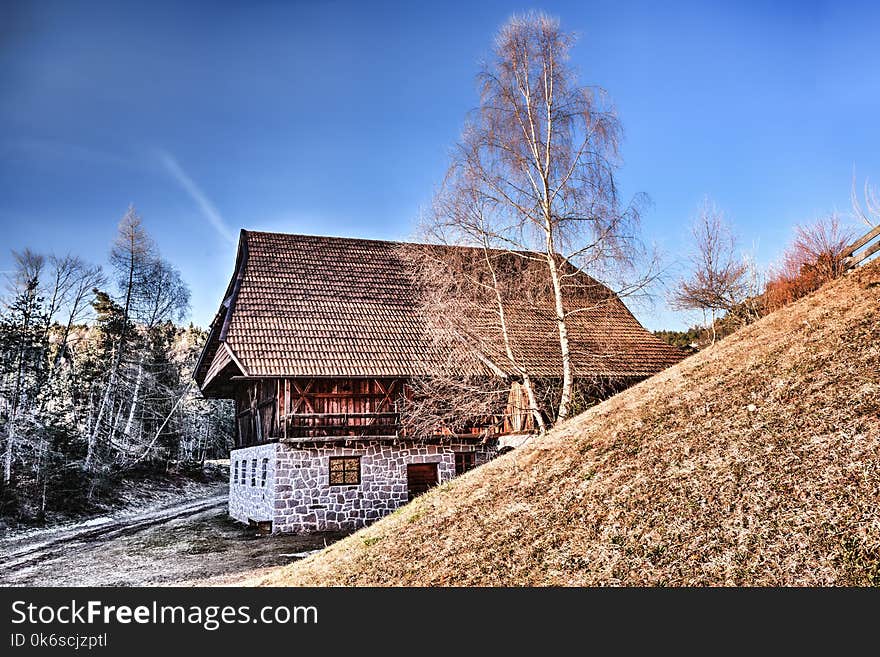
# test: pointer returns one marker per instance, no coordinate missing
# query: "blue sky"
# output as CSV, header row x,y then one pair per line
x,y
337,118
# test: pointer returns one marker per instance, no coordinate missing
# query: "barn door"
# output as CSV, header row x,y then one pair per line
x,y
420,477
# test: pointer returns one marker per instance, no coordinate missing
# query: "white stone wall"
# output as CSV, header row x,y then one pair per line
x,y
251,498
306,502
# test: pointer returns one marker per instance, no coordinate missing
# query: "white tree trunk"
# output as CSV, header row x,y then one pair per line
x,y
121,446
164,423
508,348
564,347
533,404
93,434
10,447
135,400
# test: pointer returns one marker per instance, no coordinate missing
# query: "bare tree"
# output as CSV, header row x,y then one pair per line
x,y
719,276
131,257
821,244
82,282
61,279
69,286
543,152
465,307
467,290
164,296
870,212
814,257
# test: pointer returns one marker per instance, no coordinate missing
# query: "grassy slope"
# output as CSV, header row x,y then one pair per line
x,y
753,462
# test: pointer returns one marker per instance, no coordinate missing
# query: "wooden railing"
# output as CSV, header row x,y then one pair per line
x,y
853,259
305,425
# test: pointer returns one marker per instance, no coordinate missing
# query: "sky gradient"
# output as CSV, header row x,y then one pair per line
x,y
337,118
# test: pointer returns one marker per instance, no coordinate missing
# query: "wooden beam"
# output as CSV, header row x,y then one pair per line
x,y
386,393
864,255
465,437
308,415
302,399
859,243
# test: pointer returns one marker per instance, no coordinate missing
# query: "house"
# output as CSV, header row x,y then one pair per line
x,y
316,340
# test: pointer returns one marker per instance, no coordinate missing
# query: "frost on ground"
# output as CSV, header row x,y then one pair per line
x,y
136,494
208,546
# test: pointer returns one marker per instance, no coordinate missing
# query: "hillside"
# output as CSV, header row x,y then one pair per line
x,y
754,462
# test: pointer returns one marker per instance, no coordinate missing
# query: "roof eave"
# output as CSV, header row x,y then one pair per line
x,y
225,311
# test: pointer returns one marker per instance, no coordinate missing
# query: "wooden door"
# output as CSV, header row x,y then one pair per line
x,y
420,477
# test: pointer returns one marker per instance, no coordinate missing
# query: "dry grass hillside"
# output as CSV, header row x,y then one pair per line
x,y
755,462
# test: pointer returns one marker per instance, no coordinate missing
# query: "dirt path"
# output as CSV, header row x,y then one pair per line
x,y
180,543
17,553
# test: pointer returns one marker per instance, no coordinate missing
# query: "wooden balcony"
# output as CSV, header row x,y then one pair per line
x,y
327,427
322,425
325,411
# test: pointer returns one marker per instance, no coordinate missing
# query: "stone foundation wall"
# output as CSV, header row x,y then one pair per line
x,y
251,494
306,502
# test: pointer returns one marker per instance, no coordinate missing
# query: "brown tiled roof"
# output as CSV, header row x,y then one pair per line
x,y
606,341
302,305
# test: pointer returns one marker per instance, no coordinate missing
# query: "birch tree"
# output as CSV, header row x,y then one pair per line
x,y
542,149
464,304
464,287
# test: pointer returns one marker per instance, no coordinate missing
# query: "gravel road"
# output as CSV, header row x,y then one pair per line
x,y
194,541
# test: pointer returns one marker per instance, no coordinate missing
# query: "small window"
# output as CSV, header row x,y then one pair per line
x,y
244,472
464,461
254,472
265,472
236,473
345,470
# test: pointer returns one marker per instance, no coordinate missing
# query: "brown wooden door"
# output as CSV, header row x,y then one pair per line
x,y
420,477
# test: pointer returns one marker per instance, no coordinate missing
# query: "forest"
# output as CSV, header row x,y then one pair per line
x,y
96,378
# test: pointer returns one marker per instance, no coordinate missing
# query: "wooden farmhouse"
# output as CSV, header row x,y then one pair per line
x,y
316,340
